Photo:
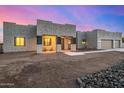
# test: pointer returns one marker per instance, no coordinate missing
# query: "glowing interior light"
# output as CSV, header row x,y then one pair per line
x,y
20,41
83,42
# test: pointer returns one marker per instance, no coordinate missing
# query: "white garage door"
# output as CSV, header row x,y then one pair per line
x,y
106,44
117,43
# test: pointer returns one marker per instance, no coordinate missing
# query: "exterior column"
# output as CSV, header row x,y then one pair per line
x,y
39,44
121,44
73,45
113,44
58,45
99,44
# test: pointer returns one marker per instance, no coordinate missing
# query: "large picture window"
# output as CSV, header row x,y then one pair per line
x,y
47,41
19,41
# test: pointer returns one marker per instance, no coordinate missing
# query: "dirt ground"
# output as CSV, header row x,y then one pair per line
x,y
28,69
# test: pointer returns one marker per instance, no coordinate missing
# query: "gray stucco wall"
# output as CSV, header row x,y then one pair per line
x,y
91,39
29,32
80,37
122,45
94,38
102,34
12,30
49,28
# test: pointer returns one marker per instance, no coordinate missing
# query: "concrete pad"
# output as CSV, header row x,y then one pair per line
x,y
74,53
98,51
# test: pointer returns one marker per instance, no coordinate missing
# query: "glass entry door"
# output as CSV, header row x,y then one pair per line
x,y
66,43
49,43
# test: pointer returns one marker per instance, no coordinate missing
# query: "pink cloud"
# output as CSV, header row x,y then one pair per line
x,y
85,27
49,14
28,15
1,26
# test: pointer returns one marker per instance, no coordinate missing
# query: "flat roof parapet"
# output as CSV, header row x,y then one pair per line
x,y
101,30
9,22
38,20
18,24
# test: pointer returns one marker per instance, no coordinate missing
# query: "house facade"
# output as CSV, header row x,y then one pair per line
x,y
49,37
99,39
43,37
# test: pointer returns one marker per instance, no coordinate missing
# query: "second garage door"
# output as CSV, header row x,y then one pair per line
x,y
106,44
117,43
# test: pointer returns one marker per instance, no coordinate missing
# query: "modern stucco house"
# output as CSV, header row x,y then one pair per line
x,y
43,37
47,36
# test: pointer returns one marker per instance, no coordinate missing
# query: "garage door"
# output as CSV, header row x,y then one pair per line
x,y
106,44
117,43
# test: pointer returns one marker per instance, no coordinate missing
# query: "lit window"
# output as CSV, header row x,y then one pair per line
x,y
83,42
20,41
47,41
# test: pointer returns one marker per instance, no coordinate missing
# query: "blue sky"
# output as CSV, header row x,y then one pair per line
x,y
86,18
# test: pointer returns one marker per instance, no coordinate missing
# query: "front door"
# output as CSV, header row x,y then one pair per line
x,y
66,43
49,43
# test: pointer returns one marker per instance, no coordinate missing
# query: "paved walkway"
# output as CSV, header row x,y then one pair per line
x,y
83,53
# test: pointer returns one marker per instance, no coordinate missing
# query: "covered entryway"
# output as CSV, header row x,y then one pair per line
x,y
66,43
106,44
117,43
49,43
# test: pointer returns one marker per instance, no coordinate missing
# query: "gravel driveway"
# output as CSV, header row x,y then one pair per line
x,y
27,69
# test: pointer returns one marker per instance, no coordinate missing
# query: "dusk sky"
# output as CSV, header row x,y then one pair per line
x,y
86,18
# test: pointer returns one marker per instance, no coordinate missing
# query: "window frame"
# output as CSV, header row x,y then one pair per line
x,y
84,41
19,45
47,43
122,39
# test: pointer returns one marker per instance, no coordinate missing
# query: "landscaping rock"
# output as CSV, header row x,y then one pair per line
x,y
79,81
110,78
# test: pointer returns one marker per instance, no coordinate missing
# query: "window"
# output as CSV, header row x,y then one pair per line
x,y
122,39
47,41
19,41
83,41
